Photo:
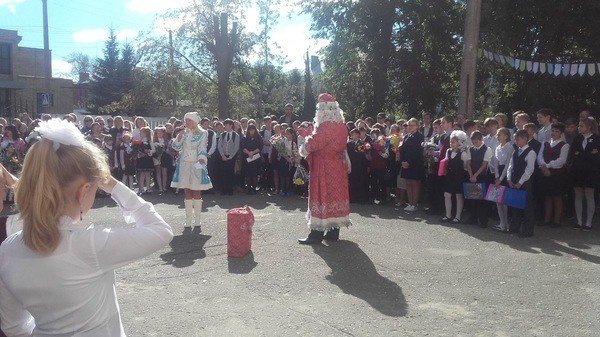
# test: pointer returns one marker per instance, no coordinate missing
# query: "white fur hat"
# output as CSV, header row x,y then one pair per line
x,y
192,116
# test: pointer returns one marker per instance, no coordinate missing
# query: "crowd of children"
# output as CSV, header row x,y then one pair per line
x,y
557,165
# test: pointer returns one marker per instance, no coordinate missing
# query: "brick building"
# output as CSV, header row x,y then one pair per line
x,y
23,84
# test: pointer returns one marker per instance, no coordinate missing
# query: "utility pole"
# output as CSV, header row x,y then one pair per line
x,y
172,71
469,63
47,57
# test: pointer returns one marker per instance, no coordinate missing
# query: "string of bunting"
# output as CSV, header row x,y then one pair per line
x,y
553,69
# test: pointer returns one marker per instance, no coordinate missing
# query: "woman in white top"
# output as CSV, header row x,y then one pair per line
x,y
57,275
504,152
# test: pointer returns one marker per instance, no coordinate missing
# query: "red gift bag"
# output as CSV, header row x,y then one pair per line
x,y
443,168
239,231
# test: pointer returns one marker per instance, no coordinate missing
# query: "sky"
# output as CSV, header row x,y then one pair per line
x,y
82,26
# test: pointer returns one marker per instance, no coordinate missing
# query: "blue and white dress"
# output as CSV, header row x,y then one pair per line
x,y
191,149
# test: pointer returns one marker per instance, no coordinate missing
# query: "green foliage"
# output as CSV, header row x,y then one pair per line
x,y
545,31
112,75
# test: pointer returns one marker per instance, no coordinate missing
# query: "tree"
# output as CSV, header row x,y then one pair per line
x,y
81,63
544,31
309,97
211,42
106,84
113,75
364,31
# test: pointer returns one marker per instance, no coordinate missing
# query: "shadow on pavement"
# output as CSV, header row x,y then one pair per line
x,y
545,239
355,274
186,249
241,265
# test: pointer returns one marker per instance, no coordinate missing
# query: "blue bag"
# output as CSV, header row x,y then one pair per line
x,y
515,198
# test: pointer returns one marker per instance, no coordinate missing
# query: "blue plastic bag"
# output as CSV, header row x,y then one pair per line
x,y
515,198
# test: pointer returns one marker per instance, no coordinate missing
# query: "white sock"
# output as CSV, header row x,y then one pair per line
x,y
591,206
579,204
189,212
503,215
197,211
448,204
460,203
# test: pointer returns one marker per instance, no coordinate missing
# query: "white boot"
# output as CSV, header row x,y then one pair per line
x,y
189,212
197,211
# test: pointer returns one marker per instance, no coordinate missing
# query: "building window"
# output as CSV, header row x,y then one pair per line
x,y
5,65
40,102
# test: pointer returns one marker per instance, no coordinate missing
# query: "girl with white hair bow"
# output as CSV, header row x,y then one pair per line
x,y
191,173
456,173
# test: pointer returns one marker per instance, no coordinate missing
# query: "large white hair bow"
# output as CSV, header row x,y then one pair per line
x,y
60,132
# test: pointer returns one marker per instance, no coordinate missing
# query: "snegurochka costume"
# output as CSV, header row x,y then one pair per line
x,y
189,174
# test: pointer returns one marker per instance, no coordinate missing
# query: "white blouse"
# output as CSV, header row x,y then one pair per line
x,y
72,290
503,155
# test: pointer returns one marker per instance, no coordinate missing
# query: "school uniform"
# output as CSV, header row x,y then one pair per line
x,y
520,171
456,174
228,146
553,155
266,178
213,160
481,208
503,155
377,172
584,157
359,177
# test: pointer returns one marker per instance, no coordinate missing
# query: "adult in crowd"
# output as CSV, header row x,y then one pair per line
x,y
584,159
252,160
413,166
289,116
57,274
325,150
228,146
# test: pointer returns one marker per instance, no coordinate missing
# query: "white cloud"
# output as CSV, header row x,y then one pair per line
x,y
126,35
11,5
61,68
154,6
90,35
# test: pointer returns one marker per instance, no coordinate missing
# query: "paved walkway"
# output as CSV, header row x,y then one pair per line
x,y
390,275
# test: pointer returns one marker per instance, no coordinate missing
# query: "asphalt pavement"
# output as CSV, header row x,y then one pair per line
x,y
391,274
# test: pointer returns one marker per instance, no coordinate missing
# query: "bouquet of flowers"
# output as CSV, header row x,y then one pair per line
x,y
429,152
12,163
360,146
300,176
279,145
394,141
381,146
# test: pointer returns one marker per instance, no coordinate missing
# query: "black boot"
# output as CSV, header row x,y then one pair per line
x,y
313,238
332,234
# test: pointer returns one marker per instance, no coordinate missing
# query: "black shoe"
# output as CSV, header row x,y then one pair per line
x,y
313,238
196,230
332,235
577,226
445,219
586,228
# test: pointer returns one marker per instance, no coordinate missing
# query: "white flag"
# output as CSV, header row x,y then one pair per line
x,y
529,66
566,69
592,69
574,68
536,67
581,70
517,63
557,69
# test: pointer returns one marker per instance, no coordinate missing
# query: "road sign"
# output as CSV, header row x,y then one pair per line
x,y
45,100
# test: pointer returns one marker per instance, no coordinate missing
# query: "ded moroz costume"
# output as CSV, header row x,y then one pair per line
x,y
325,150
